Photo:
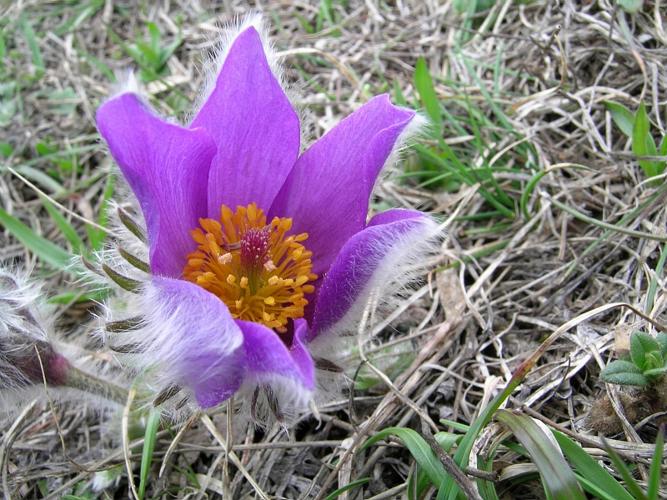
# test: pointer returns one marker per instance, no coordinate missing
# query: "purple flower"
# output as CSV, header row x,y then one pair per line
x,y
260,253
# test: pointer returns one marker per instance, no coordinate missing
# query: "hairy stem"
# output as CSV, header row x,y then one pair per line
x,y
86,382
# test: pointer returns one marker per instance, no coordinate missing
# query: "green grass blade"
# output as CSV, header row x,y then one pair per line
x,y
147,453
662,149
96,236
419,449
69,232
654,474
3,49
532,183
41,178
487,489
558,480
643,143
427,95
497,110
459,171
33,44
591,470
48,252
351,485
630,483
655,279
462,455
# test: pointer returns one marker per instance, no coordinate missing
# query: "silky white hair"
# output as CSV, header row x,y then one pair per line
x,y
27,335
216,59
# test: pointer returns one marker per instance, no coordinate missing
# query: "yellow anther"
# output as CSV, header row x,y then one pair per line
x,y
300,280
273,268
296,254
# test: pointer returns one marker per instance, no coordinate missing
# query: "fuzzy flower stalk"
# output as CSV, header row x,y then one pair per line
x,y
28,357
261,256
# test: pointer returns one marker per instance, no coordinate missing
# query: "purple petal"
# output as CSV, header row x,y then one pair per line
x,y
166,166
370,256
268,357
201,345
328,190
254,126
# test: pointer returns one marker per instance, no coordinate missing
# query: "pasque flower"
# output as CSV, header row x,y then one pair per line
x,y
260,253
28,356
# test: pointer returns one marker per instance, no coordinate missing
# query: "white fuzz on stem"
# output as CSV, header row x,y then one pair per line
x,y
28,357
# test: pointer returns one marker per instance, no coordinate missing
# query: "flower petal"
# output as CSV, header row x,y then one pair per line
x,y
328,190
166,166
192,339
370,259
267,357
254,126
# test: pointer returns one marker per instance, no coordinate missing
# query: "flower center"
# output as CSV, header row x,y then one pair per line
x,y
256,269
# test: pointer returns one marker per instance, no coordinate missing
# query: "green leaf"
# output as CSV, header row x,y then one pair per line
x,y
48,252
447,440
419,449
129,284
351,485
631,6
131,225
558,480
6,149
654,474
622,116
427,95
655,372
623,373
134,260
662,151
640,345
654,360
607,487
147,453
643,143
661,339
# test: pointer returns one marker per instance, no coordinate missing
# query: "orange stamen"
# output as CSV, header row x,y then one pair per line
x,y
256,269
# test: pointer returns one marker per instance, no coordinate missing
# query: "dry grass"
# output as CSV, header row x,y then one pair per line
x,y
500,286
